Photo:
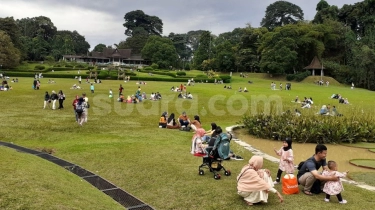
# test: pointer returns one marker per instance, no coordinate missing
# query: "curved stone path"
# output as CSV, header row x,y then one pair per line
x,y
277,160
122,197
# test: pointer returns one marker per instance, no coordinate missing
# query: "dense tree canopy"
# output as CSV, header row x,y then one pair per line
x,y
204,51
342,38
325,12
9,54
99,47
137,22
139,26
281,13
10,27
160,51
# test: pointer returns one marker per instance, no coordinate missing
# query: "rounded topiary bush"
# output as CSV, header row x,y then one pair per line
x,y
301,76
39,67
290,77
154,66
181,73
225,77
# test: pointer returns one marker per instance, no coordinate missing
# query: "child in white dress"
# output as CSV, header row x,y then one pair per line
x,y
286,159
333,187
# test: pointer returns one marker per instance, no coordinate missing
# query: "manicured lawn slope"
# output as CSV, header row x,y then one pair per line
x,y
123,143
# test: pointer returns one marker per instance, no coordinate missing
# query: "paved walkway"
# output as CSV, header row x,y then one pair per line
x,y
277,160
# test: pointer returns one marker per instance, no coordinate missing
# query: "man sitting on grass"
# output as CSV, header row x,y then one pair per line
x,y
184,119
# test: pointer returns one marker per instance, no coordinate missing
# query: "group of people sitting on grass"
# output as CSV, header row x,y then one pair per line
x,y
201,140
341,99
243,75
306,103
75,86
141,83
227,87
182,88
244,90
191,82
170,122
185,96
50,81
326,110
155,96
5,87
14,80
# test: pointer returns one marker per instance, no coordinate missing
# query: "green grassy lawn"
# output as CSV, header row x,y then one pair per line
x,y
123,144
29,182
364,177
364,163
362,145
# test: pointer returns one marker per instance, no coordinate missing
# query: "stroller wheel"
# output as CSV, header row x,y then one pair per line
x,y
217,176
227,173
201,172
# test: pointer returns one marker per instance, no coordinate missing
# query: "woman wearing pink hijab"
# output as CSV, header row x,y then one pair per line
x,y
197,146
254,183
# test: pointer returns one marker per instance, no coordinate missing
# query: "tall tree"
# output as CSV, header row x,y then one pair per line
x,y
325,12
99,48
139,26
136,43
281,58
137,19
362,59
72,42
225,56
10,27
9,55
248,56
281,13
360,16
181,43
204,51
37,26
160,51
193,37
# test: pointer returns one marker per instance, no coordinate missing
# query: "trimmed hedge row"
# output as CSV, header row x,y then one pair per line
x,y
298,77
113,76
312,129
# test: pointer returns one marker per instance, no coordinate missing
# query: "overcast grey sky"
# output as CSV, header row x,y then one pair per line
x,y
101,21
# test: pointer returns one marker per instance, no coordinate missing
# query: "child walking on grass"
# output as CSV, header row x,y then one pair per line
x,y
333,187
286,159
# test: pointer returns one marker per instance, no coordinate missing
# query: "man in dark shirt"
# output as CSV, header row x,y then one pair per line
x,y
308,173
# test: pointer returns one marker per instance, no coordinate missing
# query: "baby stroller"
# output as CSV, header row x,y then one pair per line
x,y
215,155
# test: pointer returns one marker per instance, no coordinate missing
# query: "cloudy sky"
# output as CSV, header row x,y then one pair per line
x,y
101,21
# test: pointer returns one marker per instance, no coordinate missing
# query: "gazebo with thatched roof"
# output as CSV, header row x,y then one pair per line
x,y
315,65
